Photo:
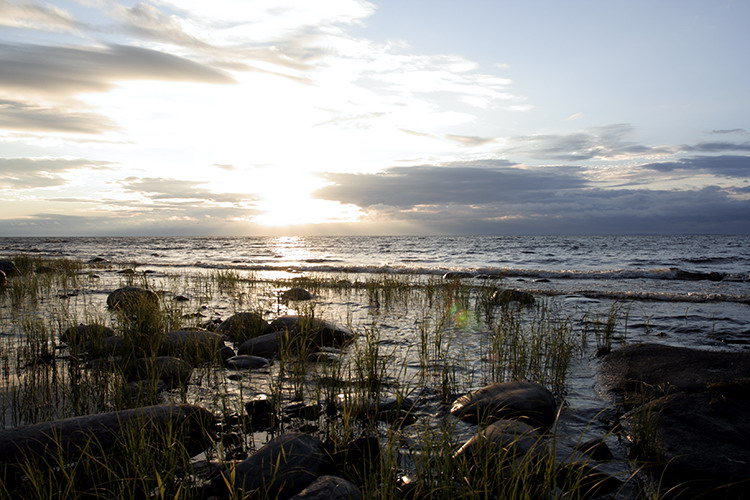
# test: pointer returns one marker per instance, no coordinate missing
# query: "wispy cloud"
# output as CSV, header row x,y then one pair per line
x,y
31,173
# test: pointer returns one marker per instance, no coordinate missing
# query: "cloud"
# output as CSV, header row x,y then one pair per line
x,y
730,131
30,173
156,188
717,147
726,165
463,198
608,142
16,115
461,182
31,15
53,70
470,140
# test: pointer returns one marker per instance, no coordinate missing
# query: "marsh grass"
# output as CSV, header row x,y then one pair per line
x,y
438,325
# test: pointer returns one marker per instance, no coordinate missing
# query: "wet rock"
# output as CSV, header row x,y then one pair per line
x,y
62,441
174,372
396,411
296,294
194,346
9,268
316,331
679,274
584,480
456,275
504,297
181,298
3,278
526,401
501,440
76,335
266,346
303,410
329,488
282,468
98,260
246,362
131,298
242,326
107,346
596,449
262,412
226,352
688,418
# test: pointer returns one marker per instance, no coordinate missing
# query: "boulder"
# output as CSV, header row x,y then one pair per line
x,y
317,332
131,298
107,346
62,441
76,335
329,488
526,401
296,294
282,468
3,278
194,346
8,267
504,297
246,362
174,372
501,440
266,346
242,326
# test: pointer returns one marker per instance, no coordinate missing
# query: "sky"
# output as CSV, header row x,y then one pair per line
x,y
336,117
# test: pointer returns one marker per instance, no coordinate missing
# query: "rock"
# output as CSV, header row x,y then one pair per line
x,y
316,331
639,372
526,401
131,298
504,297
9,268
76,335
456,275
596,449
502,440
3,278
174,372
226,352
296,294
194,346
266,346
242,326
584,480
679,274
689,415
246,362
329,488
281,469
181,298
50,444
107,346
262,412
98,260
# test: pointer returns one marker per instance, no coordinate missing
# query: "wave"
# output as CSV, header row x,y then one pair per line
x,y
695,297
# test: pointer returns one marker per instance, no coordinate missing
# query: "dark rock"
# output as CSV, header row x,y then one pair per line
x,y
504,297
242,326
132,298
281,469
226,352
194,346
181,298
3,278
329,488
583,480
313,330
98,260
679,274
502,440
174,372
266,346
76,335
526,401
107,346
9,268
63,441
296,294
596,449
639,372
396,411
246,362
303,410
455,275
262,412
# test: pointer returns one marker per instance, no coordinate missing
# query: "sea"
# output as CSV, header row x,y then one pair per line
x,y
687,290
691,291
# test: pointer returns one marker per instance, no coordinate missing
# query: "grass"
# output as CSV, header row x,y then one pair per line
x,y
428,337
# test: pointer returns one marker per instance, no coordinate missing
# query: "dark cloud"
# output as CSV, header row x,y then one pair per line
x,y
466,199
30,173
596,143
55,70
730,131
21,116
726,165
718,147
157,188
462,183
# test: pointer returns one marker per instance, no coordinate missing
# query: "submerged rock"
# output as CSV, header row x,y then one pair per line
x,y
246,362
318,332
131,298
194,346
329,488
76,335
503,297
527,401
296,294
266,346
174,372
8,267
281,469
242,326
3,278
501,440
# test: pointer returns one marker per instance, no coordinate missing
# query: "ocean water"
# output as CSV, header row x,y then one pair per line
x,y
681,290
